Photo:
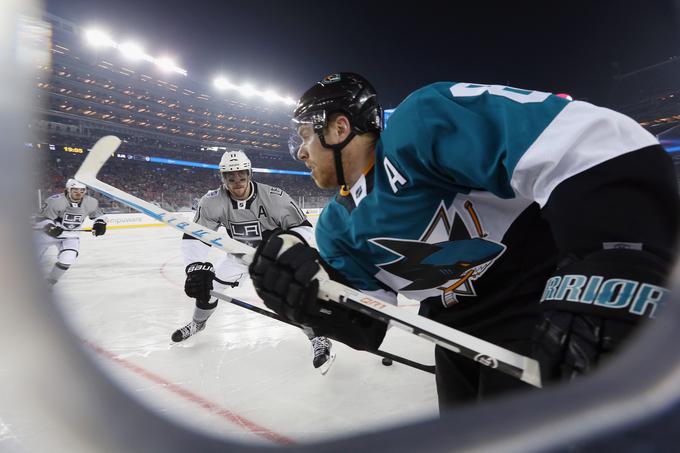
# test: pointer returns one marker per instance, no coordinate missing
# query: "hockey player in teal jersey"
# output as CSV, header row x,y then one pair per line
x,y
543,225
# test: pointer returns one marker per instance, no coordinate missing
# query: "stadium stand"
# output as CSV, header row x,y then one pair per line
x,y
651,96
85,94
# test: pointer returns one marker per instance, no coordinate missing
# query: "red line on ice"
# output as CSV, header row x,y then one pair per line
x,y
162,272
190,396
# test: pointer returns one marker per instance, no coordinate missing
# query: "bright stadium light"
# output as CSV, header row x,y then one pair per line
x,y
222,83
98,38
166,64
246,90
132,51
270,96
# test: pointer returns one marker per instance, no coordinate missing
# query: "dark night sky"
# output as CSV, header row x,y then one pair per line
x,y
569,46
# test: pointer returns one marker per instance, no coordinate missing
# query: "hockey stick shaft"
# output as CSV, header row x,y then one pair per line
x,y
272,315
504,360
67,231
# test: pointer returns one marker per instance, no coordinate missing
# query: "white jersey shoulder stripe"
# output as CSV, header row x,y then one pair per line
x,y
580,137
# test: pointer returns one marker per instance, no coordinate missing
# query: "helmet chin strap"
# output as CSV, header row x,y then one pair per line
x,y
337,154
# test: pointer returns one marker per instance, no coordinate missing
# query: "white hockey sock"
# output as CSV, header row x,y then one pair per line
x,y
56,273
201,314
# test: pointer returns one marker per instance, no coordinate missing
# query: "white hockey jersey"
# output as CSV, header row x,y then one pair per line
x,y
266,209
69,215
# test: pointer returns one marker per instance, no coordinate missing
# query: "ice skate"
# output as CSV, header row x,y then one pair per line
x,y
323,356
187,331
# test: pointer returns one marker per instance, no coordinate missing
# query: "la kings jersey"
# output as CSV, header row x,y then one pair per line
x,y
450,214
266,209
68,214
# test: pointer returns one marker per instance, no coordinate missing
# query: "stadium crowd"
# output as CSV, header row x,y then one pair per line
x,y
173,187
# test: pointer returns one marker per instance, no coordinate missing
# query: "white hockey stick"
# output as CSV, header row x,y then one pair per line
x,y
516,365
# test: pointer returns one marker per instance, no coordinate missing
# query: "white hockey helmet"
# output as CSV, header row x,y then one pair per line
x,y
73,184
235,161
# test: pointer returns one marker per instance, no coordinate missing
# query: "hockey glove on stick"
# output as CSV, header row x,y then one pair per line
x,y
268,233
99,227
286,271
199,281
53,230
591,306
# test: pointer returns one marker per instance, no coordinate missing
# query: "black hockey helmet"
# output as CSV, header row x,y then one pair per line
x,y
344,92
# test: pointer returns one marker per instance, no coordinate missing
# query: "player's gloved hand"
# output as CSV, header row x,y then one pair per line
x,y
53,230
568,345
199,281
99,227
285,272
268,233
572,338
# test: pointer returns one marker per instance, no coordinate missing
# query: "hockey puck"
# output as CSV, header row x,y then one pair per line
x,y
387,361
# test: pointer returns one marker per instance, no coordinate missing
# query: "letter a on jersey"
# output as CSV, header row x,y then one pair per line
x,y
393,176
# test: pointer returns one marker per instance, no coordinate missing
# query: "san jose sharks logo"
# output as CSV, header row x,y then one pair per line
x,y
442,260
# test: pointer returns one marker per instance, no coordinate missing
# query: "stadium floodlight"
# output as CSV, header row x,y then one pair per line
x,y
222,83
271,96
165,64
247,90
98,38
168,65
132,51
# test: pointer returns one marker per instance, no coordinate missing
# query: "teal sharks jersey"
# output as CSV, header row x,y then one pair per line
x,y
450,213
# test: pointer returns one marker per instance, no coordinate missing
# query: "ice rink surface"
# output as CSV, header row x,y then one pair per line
x,y
245,377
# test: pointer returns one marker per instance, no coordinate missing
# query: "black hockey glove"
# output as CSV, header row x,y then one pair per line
x,y
199,281
266,234
592,306
568,345
99,227
53,230
286,283
286,273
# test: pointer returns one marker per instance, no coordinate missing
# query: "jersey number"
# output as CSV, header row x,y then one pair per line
x,y
514,94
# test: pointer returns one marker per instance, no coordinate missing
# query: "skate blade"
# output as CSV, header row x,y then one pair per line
x,y
323,369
